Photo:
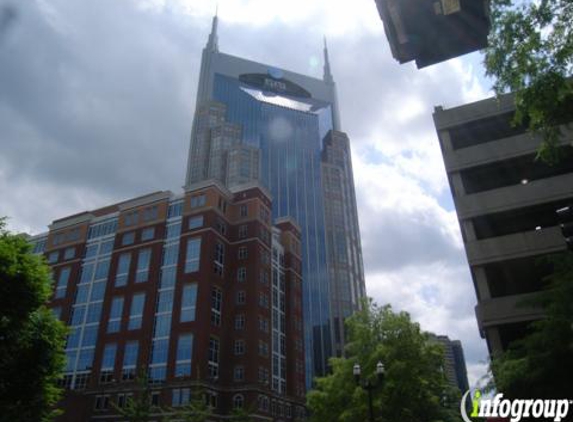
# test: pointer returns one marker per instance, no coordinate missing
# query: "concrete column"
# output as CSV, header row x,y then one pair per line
x,y
457,184
480,280
446,141
469,231
494,340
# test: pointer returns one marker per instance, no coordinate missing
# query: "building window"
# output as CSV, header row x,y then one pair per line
x,y
150,213
143,261
130,360
219,258
263,300
221,227
136,311
216,299
162,325
244,210
128,239
243,252
198,201
240,322
69,253
263,402
193,255
239,373
243,231
122,271
170,254
157,374
184,354
155,398
147,234
264,277
241,297
263,348
108,363
159,350
263,375
180,396
188,302
241,274
195,222
239,347
238,401
213,363
101,402
175,209
53,257
62,282
263,324
130,218
173,230
114,322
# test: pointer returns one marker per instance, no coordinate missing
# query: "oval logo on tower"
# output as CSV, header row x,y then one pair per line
x,y
275,73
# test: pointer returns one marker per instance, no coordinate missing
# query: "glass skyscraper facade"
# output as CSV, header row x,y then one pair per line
x,y
255,121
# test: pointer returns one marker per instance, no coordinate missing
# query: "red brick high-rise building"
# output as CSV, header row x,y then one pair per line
x,y
198,292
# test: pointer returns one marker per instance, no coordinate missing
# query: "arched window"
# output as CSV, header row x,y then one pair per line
x,y
238,401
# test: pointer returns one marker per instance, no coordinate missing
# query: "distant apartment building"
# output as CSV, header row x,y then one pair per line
x,y
506,201
197,292
454,362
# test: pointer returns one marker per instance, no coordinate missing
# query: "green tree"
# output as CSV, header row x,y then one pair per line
x,y
31,338
139,407
540,365
197,410
242,415
530,52
414,387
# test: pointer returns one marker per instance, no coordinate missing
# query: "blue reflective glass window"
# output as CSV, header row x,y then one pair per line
x,y
122,271
91,251
87,273
62,282
98,291
85,359
102,269
130,354
147,234
128,238
78,313
168,277
159,351
136,311
184,353
71,356
195,222
188,302
162,325
106,247
108,359
73,338
170,254
114,322
90,336
94,312
173,230
82,292
143,261
157,373
193,254
165,301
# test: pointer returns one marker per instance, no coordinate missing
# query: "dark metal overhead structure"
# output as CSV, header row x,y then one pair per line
x,y
432,31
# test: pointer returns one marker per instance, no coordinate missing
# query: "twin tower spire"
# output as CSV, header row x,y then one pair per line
x,y
213,46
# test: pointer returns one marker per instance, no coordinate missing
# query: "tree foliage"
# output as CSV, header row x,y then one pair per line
x,y
530,52
414,387
31,338
540,365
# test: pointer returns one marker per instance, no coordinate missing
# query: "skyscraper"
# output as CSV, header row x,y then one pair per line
x,y
255,121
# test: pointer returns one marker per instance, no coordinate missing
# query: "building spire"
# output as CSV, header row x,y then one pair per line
x,y
327,77
213,43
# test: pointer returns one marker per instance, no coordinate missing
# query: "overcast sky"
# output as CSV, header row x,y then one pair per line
x,y
97,99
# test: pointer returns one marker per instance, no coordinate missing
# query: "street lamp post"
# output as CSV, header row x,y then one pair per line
x,y
368,385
